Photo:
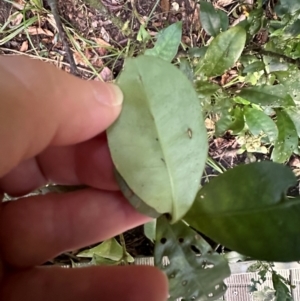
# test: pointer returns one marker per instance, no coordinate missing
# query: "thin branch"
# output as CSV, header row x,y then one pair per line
x,y
56,15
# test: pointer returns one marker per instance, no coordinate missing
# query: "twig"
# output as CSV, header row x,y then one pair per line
x,y
55,12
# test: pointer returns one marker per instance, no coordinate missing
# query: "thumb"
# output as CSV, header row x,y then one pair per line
x,y
41,105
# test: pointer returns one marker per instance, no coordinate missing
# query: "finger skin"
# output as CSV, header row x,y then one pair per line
x,y
41,105
36,229
87,163
129,283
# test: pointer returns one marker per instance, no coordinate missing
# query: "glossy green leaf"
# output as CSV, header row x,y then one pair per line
x,y
233,121
294,114
290,80
287,7
255,20
246,210
254,67
223,52
274,64
282,291
258,122
194,270
287,140
109,249
213,21
265,95
293,30
159,142
167,43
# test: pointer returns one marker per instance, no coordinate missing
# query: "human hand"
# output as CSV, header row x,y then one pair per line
x,y
50,125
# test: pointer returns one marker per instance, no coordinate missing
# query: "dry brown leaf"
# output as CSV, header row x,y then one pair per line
x,y
97,61
24,46
79,59
17,19
209,124
103,45
106,74
104,34
32,30
165,5
19,4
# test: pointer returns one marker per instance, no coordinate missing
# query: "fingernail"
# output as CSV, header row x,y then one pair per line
x,y
118,97
107,93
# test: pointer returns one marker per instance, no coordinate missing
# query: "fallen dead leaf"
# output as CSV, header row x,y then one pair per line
x,y
96,61
209,124
19,4
165,5
32,30
17,19
106,74
79,59
103,45
104,34
24,46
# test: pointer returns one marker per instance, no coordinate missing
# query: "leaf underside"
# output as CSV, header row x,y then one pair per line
x,y
159,143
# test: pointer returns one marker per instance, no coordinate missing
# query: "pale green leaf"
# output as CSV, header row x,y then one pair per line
x,y
150,230
223,52
258,123
167,43
246,210
143,35
194,270
213,21
109,249
159,142
266,95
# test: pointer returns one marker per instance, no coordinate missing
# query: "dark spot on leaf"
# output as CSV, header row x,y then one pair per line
x,y
156,139
163,240
172,275
195,249
162,160
190,133
184,282
181,240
